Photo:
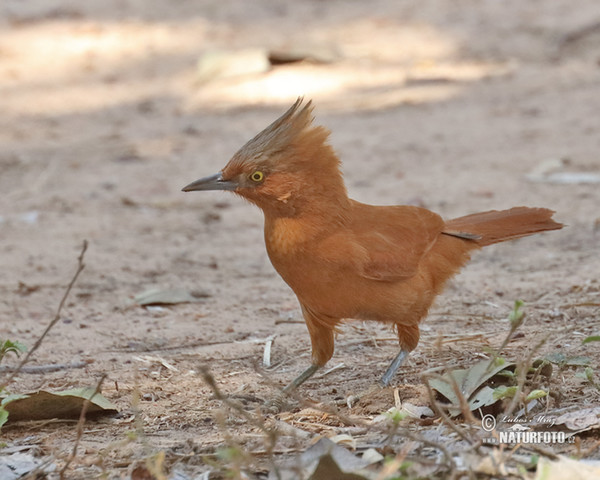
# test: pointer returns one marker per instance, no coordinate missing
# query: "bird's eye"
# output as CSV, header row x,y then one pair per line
x,y
257,176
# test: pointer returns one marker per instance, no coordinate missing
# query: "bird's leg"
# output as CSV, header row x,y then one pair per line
x,y
408,336
300,379
384,381
389,373
321,337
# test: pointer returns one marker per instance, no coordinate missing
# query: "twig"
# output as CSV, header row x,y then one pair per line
x,y
219,395
80,424
271,435
287,320
578,34
360,341
36,369
267,351
80,267
522,377
332,369
438,446
445,418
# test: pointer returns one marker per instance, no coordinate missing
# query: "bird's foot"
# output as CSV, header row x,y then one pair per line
x,y
279,404
354,399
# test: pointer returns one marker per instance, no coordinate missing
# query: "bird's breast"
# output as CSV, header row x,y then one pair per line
x,y
284,236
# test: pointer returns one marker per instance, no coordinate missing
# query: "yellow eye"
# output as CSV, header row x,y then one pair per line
x,y
257,176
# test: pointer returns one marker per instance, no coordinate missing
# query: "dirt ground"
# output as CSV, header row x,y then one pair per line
x,y
456,106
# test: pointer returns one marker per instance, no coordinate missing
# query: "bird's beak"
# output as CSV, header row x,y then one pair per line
x,y
213,182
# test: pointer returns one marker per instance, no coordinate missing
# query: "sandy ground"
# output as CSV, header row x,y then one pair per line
x,y
449,105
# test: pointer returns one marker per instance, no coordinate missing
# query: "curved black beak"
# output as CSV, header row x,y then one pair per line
x,y
213,182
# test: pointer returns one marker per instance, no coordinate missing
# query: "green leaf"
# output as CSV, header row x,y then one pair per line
x,y
517,315
561,360
229,454
542,367
589,374
579,361
535,394
593,338
556,357
12,397
507,374
469,382
3,416
395,415
8,346
503,391
482,398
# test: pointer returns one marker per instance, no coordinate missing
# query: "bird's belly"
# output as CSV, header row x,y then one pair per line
x,y
344,295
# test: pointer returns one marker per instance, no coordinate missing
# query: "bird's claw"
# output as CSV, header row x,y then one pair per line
x,y
276,405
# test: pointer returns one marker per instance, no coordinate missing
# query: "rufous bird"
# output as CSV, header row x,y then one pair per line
x,y
345,259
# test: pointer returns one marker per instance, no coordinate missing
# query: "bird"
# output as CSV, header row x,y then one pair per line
x,y
345,259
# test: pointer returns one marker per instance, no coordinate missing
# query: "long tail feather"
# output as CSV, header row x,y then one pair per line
x,y
496,226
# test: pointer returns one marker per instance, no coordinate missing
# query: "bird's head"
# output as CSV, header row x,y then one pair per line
x,y
282,168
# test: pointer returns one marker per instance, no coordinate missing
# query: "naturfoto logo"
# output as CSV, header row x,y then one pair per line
x,y
514,430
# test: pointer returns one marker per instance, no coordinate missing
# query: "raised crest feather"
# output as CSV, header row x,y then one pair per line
x,y
277,136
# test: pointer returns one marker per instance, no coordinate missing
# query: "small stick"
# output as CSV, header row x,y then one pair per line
x,y
80,424
80,267
332,369
397,401
267,352
436,408
36,369
287,320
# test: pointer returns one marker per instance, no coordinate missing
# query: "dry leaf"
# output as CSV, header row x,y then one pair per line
x,y
580,419
66,404
172,296
323,461
20,465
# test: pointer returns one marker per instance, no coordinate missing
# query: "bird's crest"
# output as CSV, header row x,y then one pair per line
x,y
288,130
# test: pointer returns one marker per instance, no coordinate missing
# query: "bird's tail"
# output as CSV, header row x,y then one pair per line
x,y
496,226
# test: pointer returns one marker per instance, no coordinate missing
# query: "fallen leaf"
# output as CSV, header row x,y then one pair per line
x,y
470,382
323,461
344,439
328,469
173,296
562,360
372,456
313,53
20,465
417,411
66,404
141,473
580,419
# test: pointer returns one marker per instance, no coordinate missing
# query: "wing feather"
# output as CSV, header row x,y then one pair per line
x,y
384,244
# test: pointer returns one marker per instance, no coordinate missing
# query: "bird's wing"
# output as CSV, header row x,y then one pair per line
x,y
384,243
